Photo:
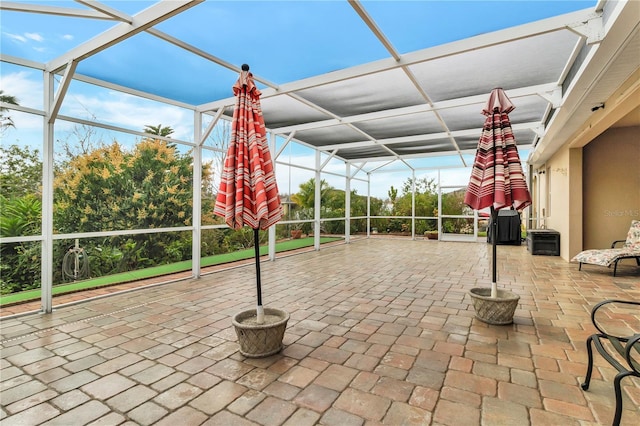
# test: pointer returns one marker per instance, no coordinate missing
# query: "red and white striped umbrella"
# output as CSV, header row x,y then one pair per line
x,y
248,193
497,179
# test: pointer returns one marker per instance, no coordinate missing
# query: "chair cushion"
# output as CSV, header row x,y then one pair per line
x,y
605,257
633,237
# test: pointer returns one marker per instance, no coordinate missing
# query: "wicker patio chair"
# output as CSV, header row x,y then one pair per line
x,y
622,352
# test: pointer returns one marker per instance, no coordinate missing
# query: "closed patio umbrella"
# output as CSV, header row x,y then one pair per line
x,y
497,180
248,194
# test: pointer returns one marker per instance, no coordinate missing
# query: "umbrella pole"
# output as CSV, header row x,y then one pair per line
x,y
256,245
494,218
494,237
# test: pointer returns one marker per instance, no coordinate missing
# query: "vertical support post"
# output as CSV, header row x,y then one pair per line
x,y
475,224
46,279
347,203
272,229
317,204
196,213
439,218
413,204
368,205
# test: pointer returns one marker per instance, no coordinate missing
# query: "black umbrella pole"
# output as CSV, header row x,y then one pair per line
x,y
494,215
256,244
494,238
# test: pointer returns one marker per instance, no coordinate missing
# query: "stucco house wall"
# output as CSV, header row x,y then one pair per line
x,y
591,194
557,188
611,190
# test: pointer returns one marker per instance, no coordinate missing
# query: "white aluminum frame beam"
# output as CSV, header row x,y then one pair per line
x,y
55,10
532,125
102,8
62,90
141,22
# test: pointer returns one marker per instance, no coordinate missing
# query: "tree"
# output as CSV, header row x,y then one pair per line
x,y
80,140
305,201
359,208
19,268
423,186
219,139
113,189
426,202
20,215
453,204
20,171
108,188
332,204
5,120
305,198
426,198
393,195
158,130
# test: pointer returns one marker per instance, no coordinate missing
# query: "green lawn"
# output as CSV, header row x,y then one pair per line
x,y
155,271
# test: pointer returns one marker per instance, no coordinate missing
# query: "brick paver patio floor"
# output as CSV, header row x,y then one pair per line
x,y
381,332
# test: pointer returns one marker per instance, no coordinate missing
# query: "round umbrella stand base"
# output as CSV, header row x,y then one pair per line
x,y
498,310
260,340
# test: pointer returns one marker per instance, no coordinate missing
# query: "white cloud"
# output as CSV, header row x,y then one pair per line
x,y
25,37
26,126
34,37
22,85
67,37
16,37
130,112
111,107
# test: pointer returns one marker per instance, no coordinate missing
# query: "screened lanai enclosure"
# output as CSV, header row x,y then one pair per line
x,y
116,118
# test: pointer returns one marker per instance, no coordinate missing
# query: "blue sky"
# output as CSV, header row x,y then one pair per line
x,y
283,41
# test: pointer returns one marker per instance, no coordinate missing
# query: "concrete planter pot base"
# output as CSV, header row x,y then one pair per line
x,y
498,310
260,340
